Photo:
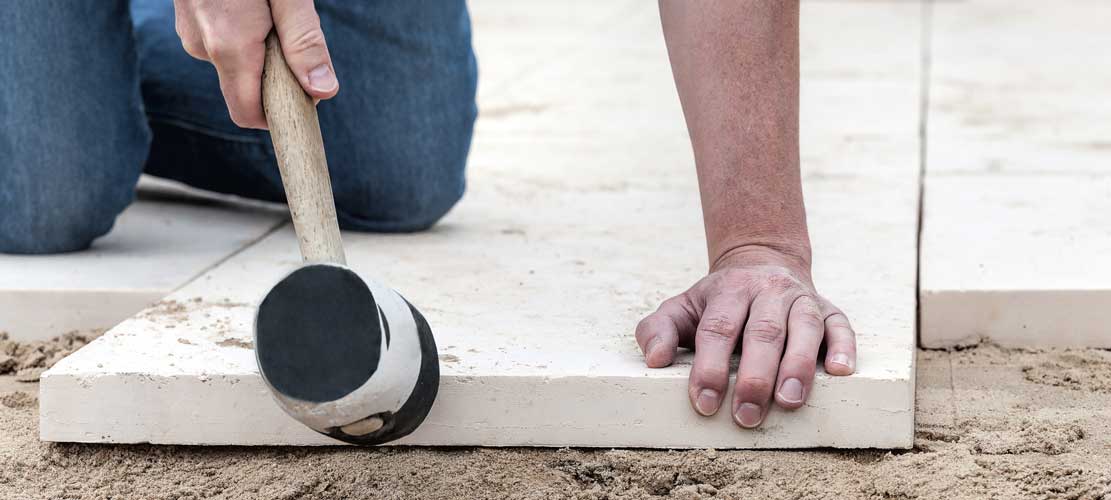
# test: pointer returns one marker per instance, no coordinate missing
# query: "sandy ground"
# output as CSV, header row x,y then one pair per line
x,y
992,423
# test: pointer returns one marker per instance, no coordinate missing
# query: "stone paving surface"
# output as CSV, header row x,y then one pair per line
x,y
1015,235
580,168
581,216
166,239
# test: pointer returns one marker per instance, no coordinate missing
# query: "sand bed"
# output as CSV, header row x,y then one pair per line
x,y
992,423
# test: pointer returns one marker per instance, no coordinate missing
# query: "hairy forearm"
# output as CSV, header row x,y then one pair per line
x,y
736,67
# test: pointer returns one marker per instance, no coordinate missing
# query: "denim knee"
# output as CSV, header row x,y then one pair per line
x,y
408,175
398,133
413,197
58,217
72,131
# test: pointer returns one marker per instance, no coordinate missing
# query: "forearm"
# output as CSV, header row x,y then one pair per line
x,y
736,67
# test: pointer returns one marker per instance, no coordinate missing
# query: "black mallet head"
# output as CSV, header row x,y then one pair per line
x,y
350,359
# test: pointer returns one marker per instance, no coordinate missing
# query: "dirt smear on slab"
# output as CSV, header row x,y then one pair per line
x,y
992,423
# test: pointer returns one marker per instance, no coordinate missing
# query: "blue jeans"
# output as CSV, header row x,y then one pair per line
x,y
96,92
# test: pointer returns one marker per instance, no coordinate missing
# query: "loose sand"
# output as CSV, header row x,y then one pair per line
x,y
992,423
27,360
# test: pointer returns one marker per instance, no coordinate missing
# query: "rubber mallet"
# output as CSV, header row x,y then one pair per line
x,y
347,357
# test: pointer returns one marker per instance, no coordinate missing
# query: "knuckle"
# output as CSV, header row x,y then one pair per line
x,y
224,49
807,309
681,300
780,283
734,288
194,48
765,331
737,283
755,385
307,38
219,50
719,326
678,302
800,362
807,305
238,120
810,320
838,320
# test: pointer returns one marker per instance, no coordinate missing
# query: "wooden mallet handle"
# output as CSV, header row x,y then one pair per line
x,y
299,147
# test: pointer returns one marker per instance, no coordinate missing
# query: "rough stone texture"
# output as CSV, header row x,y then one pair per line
x,y
164,240
581,216
1015,240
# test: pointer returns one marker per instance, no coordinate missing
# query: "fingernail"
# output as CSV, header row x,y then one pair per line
x,y
708,401
791,391
841,359
748,415
321,79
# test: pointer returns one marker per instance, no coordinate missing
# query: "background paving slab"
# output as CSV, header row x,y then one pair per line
x,y
1018,176
581,216
1018,260
165,239
1019,87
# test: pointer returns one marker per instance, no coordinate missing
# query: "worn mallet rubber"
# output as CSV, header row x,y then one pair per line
x,y
348,358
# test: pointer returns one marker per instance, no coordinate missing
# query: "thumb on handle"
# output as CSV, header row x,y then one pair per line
x,y
299,148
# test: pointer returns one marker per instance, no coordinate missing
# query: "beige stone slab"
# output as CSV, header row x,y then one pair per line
x,y
533,285
155,247
1020,87
845,130
514,39
1015,240
534,315
1019,260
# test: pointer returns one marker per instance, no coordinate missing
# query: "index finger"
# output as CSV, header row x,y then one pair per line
x,y
239,65
714,342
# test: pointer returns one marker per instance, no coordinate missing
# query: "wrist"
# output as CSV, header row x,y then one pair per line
x,y
794,254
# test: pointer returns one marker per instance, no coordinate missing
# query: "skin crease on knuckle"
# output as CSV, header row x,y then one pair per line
x,y
838,320
227,51
765,331
806,311
799,360
718,327
307,37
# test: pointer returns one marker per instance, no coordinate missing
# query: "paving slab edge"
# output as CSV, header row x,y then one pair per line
x,y
235,410
1015,318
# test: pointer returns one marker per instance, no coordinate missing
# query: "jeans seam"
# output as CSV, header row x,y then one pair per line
x,y
192,126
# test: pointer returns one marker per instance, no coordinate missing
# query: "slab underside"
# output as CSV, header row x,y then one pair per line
x,y
581,216
1018,176
161,242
